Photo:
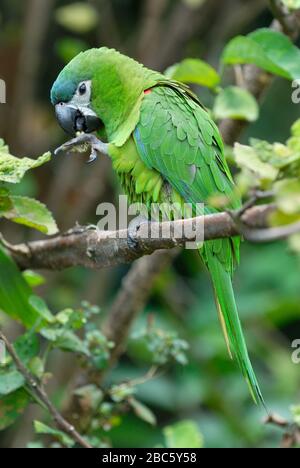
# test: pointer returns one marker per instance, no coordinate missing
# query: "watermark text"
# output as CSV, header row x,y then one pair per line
x,y
2,351
2,92
296,353
177,220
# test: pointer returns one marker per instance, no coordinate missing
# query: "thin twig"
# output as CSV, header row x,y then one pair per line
x,y
262,236
239,76
291,436
256,196
39,391
277,420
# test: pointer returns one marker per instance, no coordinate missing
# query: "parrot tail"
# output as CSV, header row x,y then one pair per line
x,y
230,321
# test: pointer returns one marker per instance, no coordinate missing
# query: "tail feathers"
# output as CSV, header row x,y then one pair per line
x,y
231,323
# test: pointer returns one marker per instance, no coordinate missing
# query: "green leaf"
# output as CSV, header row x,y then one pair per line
x,y
65,340
243,50
295,410
78,17
31,213
143,412
12,406
51,334
68,341
33,279
280,218
294,243
280,50
194,3
295,130
27,346
27,211
236,103
194,71
278,155
36,367
70,318
5,202
291,4
10,381
270,50
13,169
160,346
67,48
35,445
15,292
121,392
247,158
41,308
41,428
64,316
184,434
90,397
287,196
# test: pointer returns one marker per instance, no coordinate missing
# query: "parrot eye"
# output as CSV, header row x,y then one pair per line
x,y
82,95
82,89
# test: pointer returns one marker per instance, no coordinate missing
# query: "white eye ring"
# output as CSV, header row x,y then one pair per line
x,y
83,94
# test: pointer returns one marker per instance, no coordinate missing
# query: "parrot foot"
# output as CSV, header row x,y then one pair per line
x,y
133,230
83,142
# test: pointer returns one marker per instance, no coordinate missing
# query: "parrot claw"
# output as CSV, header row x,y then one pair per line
x,y
83,142
58,150
93,156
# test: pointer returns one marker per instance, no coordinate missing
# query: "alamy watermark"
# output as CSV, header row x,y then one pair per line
x,y
2,92
2,351
117,219
296,353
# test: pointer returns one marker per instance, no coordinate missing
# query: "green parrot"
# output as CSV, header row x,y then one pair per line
x,y
164,147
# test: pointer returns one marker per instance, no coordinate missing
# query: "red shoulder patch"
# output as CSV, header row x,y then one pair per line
x,y
148,91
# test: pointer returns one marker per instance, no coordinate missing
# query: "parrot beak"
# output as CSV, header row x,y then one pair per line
x,y
77,119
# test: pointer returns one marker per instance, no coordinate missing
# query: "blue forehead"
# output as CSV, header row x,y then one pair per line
x,y
63,90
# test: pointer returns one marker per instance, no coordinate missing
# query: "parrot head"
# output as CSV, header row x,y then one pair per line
x,y
71,95
98,91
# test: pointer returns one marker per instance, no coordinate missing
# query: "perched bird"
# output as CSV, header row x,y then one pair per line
x,y
165,148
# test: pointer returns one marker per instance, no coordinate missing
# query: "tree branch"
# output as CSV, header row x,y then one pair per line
x,y
287,21
150,31
39,391
100,249
131,298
